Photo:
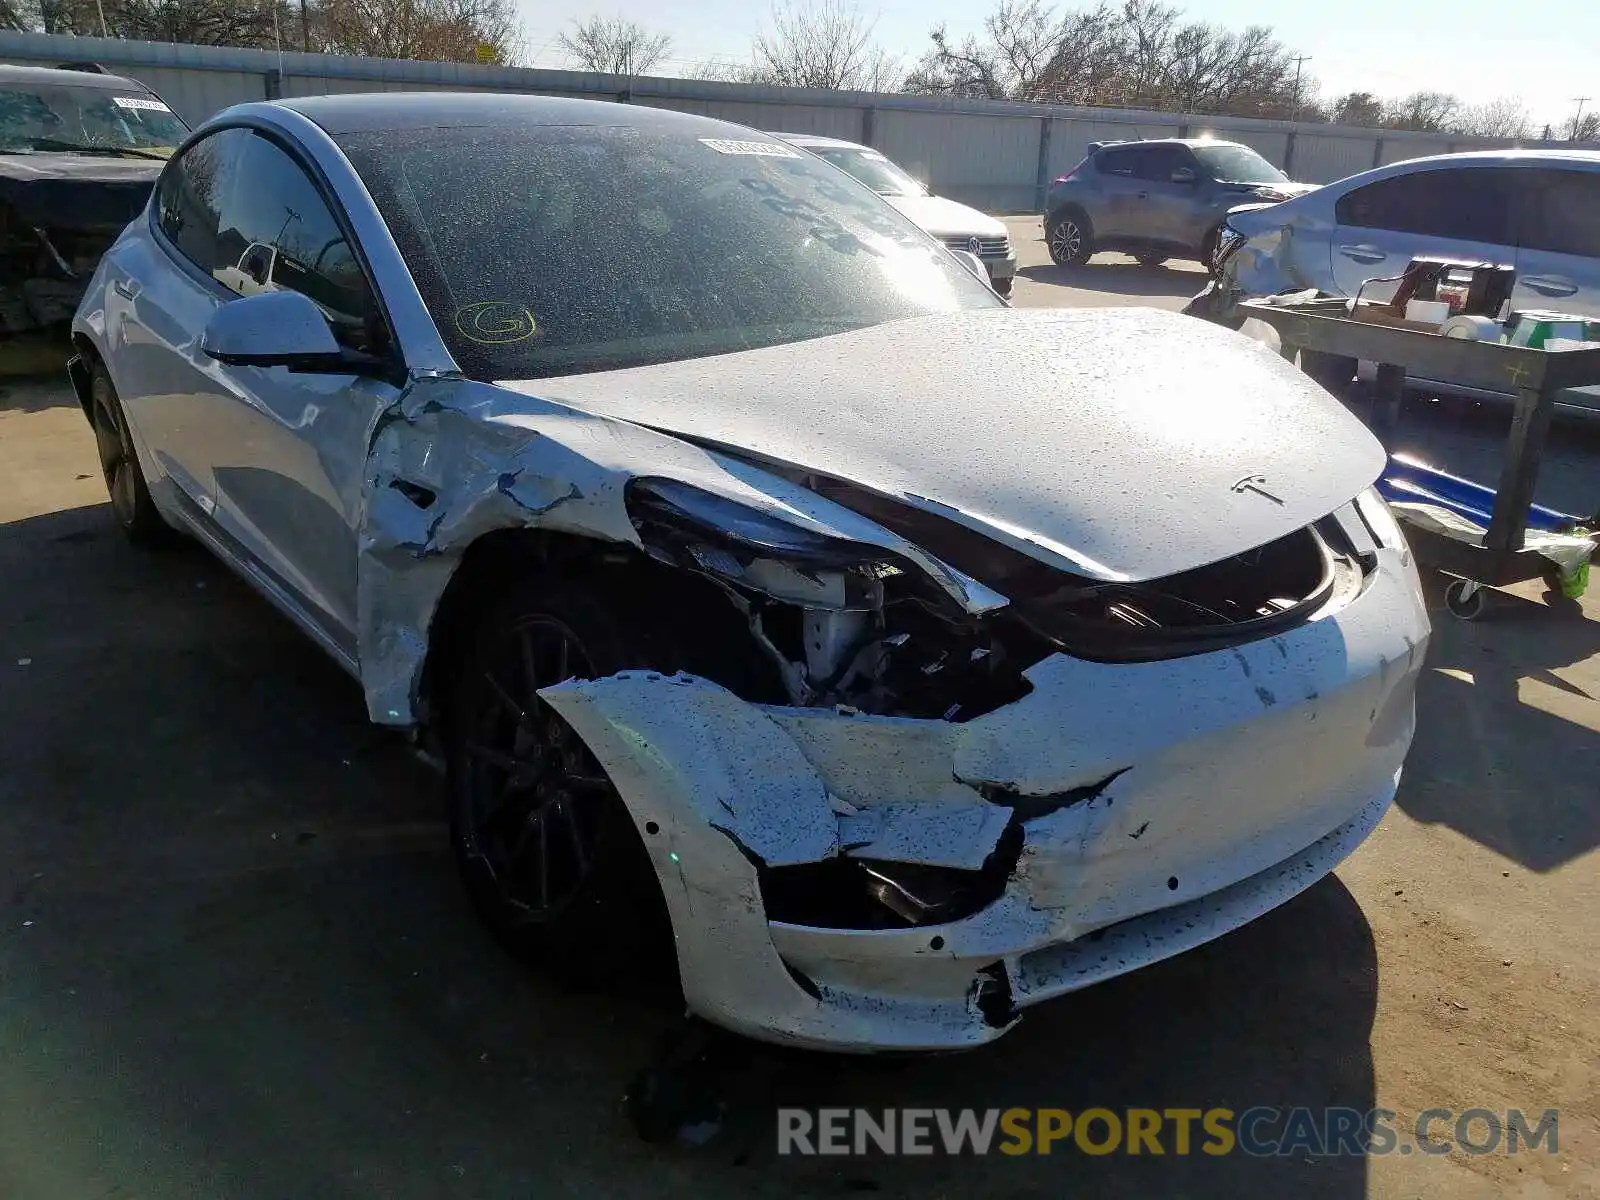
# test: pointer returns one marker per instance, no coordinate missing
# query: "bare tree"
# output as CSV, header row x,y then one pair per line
x,y
613,46
1582,129
1431,112
1358,108
1142,53
201,22
1029,53
1506,117
438,30
823,44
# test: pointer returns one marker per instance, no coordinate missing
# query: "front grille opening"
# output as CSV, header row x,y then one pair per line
x,y
1241,598
1247,596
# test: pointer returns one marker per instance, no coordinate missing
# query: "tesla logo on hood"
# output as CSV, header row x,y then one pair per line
x,y
1258,485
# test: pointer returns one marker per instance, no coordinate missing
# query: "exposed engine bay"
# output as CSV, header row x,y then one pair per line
x,y
850,625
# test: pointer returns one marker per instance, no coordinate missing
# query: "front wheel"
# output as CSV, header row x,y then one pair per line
x,y
1069,239
546,847
1002,287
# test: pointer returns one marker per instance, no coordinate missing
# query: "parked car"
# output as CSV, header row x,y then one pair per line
x,y
79,150
756,571
1535,210
1158,199
956,225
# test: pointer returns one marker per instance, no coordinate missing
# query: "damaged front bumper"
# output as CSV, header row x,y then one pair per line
x,y
1142,809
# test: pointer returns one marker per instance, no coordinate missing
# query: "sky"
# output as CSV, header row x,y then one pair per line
x,y
1543,53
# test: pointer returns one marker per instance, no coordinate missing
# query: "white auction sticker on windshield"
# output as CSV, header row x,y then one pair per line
x,y
759,149
140,103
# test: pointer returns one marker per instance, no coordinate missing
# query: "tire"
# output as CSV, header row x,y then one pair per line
x,y
1151,259
119,465
1462,605
1070,238
1208,247
547,850
1002,287
1331,371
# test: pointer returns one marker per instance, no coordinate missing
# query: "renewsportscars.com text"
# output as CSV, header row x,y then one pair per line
x,y
1259,1131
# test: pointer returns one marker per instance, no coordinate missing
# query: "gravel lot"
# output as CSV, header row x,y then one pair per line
x,y
234,961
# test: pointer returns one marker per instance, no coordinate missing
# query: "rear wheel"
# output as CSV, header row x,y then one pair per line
x,y
1069,239
547,849
119,464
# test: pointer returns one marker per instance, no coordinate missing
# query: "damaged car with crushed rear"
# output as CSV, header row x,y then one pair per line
x,y
776,597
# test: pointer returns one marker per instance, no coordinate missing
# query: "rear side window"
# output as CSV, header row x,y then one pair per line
x,y
1119,161
1466,204
189,196
1561,212
1157,163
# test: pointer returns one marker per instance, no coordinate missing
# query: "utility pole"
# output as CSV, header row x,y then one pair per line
x,y
1299,60
1577,121
305,28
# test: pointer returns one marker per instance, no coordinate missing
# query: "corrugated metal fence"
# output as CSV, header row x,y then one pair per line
x,y
992,154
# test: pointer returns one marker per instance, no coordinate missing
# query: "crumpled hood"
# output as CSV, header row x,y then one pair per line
x,y
946,218
1119,443
76,191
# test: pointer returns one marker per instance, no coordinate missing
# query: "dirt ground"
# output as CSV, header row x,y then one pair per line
x,y
234,960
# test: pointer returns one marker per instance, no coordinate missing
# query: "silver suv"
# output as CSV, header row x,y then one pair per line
x,y
1157,199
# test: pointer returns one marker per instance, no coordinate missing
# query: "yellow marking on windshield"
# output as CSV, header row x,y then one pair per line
x,y
495,322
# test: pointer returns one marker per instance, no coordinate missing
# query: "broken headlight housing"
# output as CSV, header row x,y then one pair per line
x,y
843,622
699,530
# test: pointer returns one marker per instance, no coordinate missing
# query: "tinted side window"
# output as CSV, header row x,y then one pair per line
x,y
1466,204
1563,212
1159,162
1120,161
277,232
190,195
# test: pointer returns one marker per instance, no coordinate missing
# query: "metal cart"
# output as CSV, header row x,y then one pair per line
x,y
1534,376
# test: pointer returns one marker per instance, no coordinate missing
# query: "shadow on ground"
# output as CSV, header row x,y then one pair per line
x,y
237,963
1119,279
1502,755
38,392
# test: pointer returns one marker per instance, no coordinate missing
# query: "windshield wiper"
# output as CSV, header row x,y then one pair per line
x,y
81,148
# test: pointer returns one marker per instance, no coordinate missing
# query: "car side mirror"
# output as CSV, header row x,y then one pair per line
x,y
1183,175
275,329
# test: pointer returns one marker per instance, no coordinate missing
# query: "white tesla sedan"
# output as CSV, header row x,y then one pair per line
x,y
774,593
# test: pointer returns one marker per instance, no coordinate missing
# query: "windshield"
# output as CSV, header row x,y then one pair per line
x,y
92,119
1237,164
872,169
555,250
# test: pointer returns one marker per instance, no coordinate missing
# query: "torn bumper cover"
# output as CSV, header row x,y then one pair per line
x,y
1126,812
